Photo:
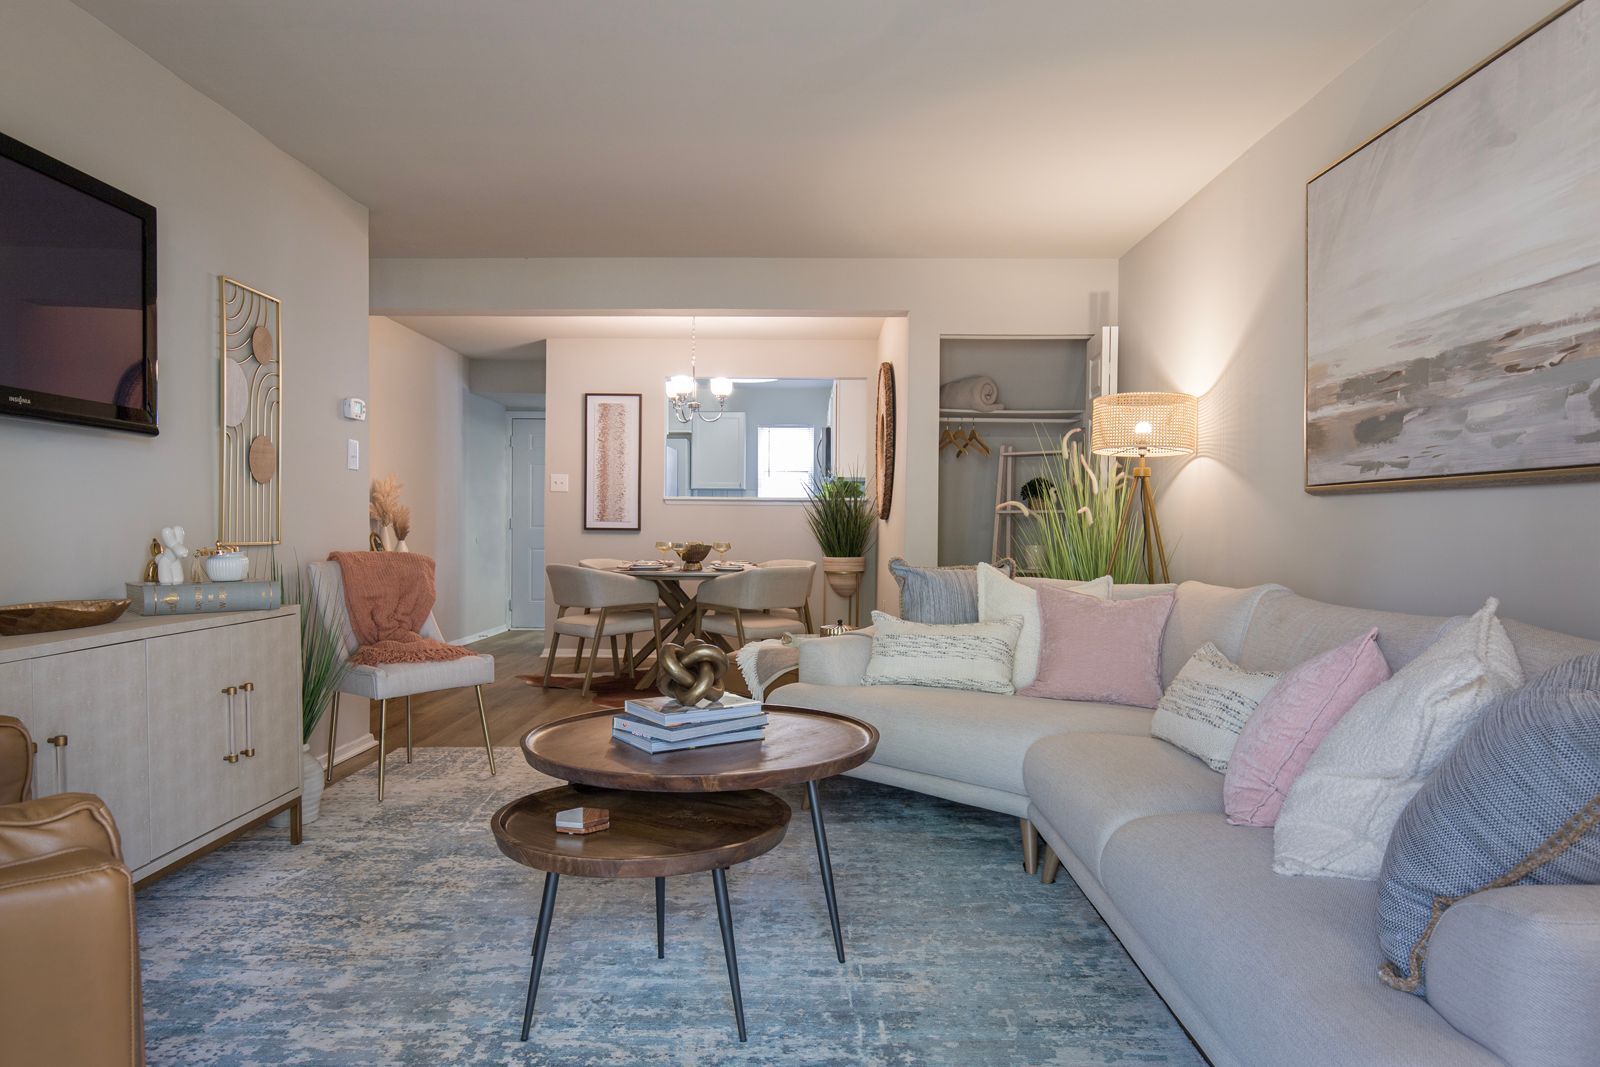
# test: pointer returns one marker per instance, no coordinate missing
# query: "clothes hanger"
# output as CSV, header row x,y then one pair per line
x,y
975,441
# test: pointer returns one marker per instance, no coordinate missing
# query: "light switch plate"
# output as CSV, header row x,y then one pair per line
x,y
559,483
352,455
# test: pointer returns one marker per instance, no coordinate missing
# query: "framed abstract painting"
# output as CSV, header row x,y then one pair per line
x,y
611,477
1453,281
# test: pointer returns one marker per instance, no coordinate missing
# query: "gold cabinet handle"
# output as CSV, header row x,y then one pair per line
x,y
60,743
232,755
249,748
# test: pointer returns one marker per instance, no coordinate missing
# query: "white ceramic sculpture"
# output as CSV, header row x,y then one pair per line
x,y
169,565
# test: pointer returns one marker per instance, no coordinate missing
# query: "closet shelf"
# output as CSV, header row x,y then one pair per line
x,y
1010,415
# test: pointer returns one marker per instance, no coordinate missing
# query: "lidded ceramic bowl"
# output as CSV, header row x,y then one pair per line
x,y
229,566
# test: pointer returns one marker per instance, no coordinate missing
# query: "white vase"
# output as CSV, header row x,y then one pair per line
x,y
400,546
310,791
844,574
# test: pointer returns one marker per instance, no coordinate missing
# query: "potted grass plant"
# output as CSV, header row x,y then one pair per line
x,y
1070,519
842,520
323,664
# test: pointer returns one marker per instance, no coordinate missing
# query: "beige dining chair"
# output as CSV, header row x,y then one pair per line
x,y
611,606
389,681
764,602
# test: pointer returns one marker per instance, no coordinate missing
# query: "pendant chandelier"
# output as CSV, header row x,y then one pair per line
x,y
683,390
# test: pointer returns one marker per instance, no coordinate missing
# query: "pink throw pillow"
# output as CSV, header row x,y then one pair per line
x,y
1289,724
1104,650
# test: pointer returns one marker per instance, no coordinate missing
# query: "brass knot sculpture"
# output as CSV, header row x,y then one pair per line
x,y
692,672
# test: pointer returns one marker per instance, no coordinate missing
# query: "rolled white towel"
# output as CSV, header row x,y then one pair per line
x,y
977,393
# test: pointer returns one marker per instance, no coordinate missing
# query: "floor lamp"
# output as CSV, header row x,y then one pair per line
x,y
1142,426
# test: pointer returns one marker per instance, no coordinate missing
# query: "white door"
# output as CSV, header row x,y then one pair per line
x,y
527,523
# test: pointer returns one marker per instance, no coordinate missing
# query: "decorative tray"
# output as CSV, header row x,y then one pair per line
x,y
19,619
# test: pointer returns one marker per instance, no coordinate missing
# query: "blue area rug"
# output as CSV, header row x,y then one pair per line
x,y
399,935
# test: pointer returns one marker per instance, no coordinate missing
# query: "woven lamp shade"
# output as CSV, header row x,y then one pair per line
x,y
1148,424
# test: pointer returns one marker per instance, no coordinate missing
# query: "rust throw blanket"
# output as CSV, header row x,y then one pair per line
x,y
389,596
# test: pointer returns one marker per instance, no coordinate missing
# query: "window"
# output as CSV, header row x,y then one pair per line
x,y
785,460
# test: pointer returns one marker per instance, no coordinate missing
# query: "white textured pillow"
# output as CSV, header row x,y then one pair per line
x,y
1207,705
969,655
1340,812
1001,598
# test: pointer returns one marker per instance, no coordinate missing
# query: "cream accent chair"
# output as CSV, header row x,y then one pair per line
x,y
611,606
765,602
390,681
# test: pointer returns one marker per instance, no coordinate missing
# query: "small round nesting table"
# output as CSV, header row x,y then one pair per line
x,y
668,802
652,835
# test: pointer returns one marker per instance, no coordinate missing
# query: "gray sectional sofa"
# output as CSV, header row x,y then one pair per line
x,y
1261,968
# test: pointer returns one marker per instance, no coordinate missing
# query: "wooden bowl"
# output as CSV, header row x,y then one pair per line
x,y
17,619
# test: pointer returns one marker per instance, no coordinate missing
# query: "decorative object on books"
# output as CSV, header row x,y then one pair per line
x,y
691,673
1341,810
1102,650
651,835
1291,721
1428,368
250,344
1516,802
611,467
802,746
1070,526
227,564
886,428
169,564
581,821
151,574
1207,705
1142,426
1000,597
18,619
192,598
976,656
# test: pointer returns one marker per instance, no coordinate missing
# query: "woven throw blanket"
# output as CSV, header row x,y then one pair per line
x,y
388,596
764,662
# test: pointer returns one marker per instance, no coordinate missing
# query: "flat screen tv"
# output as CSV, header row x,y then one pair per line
x,y
77,296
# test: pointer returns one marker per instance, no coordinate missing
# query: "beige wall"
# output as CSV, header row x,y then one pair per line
x,y
1213,303
938,297
80,504
447,447
759,530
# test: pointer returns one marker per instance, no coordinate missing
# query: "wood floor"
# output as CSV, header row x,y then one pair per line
x,y
450,718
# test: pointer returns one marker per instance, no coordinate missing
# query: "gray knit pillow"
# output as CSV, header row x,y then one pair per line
x,y
938,594
1516,802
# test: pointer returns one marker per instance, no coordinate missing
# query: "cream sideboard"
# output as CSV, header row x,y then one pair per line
x,y
187,726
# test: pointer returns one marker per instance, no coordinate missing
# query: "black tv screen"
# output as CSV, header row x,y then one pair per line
x,y
77,295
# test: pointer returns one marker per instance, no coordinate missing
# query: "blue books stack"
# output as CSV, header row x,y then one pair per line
x,y
661,724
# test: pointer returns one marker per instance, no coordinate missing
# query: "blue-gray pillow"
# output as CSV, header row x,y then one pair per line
x,y
1516,802
942,595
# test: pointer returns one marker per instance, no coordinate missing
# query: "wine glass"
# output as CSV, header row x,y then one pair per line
x,y
663,547
722,549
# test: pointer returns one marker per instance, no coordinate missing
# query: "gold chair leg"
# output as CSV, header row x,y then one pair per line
x,y
333,733
1050,865
616,660
550,661
383,731
738,625
627,657
408,729
577,664
1030,847
483,717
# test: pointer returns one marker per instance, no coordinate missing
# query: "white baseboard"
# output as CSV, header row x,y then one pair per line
x,y
348,749
483,635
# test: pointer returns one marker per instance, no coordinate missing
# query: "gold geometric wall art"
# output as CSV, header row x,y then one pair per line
x,y
250,512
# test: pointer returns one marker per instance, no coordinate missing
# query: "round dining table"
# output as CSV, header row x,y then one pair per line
x,y
681,602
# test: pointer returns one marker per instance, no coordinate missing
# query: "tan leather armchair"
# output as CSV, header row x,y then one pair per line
x,y
69,979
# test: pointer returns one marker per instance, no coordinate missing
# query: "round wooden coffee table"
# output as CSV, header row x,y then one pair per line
x,y
800,746
652,835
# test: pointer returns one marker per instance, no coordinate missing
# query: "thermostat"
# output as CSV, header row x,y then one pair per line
x,y
355,408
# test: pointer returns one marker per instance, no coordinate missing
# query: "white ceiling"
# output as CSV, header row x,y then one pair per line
x,y
508,336
760,127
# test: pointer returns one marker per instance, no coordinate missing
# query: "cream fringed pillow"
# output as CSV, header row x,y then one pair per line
x,y
1207,705
975,656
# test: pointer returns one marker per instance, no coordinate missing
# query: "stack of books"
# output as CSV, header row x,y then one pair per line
x,y
661,724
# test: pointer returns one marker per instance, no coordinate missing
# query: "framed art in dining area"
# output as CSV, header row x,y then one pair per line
x,y
1453,281
611,470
